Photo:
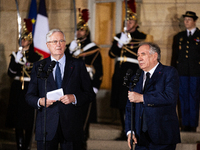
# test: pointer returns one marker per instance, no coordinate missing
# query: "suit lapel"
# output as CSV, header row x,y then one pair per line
x,y
141,83
69,67
196,33
50,79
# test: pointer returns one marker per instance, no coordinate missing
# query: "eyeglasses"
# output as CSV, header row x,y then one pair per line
x,y
55,42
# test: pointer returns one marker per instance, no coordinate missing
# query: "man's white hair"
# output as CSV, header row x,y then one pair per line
x,y
51,32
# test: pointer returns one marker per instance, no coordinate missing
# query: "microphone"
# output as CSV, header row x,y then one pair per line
x,y
129,73
136,78
50,68
40,68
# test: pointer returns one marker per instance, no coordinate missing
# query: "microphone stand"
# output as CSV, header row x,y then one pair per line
x,y
132,86
45,113
132,104
45,104
50,69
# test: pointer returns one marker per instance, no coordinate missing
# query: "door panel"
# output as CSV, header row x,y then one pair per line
x,y
104,33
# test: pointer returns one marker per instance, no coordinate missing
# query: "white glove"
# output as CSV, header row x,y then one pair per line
x,y
124,39
90,71
73,46
95,90
77,52
19,56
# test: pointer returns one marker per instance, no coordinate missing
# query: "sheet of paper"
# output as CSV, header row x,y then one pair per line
x,y
55,95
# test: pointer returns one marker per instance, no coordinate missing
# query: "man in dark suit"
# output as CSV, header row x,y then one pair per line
x,y
64,117
154,96
186,59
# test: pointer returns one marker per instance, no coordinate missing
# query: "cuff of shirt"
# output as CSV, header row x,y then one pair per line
x,y
129,133
38,103
143,99
74,103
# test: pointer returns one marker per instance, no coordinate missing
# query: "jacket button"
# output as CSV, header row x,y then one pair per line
x,y
186,56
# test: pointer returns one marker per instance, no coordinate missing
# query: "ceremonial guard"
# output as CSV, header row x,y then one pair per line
x,y
124,49
83,48
186,59
20,115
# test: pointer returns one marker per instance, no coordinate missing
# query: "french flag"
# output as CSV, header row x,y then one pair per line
x,y
41,29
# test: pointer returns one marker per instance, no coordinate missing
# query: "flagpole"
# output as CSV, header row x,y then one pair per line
x,y
75,24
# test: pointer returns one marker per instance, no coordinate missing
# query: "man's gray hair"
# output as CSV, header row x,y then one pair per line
x,y
154,48
51,32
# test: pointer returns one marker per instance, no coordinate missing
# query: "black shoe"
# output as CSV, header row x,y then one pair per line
x,y
122,137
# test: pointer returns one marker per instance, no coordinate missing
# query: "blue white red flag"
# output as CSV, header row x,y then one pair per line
x,y
41,29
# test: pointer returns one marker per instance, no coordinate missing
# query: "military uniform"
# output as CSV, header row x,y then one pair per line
x,y
186,58
20,115
92,57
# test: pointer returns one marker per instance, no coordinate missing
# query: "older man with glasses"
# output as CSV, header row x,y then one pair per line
x,y
64,119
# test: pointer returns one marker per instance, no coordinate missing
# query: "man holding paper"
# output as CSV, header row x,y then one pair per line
x,y
71,87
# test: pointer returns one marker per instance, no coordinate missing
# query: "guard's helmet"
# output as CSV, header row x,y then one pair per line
x,y
83,19
131,10
27,30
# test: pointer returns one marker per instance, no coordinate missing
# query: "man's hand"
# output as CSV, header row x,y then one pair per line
x,y
135,97
129,140
48,102
67,99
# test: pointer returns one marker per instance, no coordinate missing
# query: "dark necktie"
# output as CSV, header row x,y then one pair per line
x,y
146,81
190,34
58,76
144,124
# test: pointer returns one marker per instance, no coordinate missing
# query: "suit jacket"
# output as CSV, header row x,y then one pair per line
x,y
160,101
75,81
